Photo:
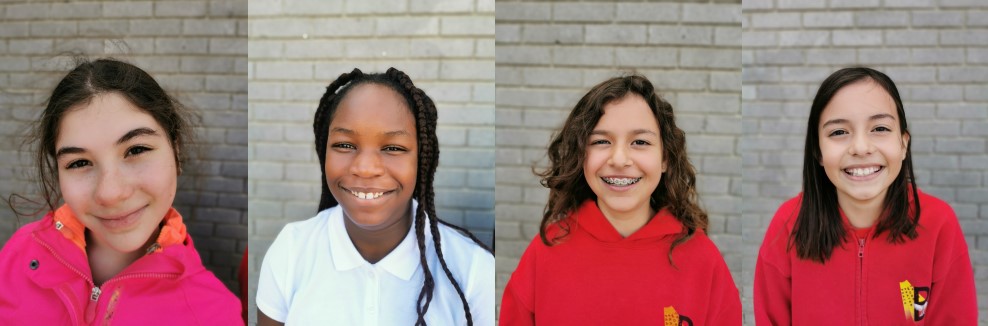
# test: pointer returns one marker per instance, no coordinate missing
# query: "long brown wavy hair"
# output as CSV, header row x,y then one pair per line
x,y
568,187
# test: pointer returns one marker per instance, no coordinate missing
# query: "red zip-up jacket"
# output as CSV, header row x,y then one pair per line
x,y
867,280
594,276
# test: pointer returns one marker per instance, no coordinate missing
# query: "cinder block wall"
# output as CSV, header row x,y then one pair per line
x,y
298,47
194,49
935,51
549,54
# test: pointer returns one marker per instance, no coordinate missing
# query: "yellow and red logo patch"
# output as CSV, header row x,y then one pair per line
x,y
673,318
914,300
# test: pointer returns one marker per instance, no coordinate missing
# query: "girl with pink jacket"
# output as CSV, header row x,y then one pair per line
x,y
110,144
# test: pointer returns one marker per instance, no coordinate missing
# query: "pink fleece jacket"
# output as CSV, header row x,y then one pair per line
x,y
45,279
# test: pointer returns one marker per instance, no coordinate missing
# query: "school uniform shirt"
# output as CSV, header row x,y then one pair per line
x,y
868,281
594,276
313,275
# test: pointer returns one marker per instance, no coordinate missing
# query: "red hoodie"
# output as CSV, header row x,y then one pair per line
x,y
869,280
594,276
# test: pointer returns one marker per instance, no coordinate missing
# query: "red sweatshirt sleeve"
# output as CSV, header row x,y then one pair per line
x,y
952,294
773,272
518,300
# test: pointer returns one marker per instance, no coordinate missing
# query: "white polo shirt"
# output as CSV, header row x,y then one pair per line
x,y
313,275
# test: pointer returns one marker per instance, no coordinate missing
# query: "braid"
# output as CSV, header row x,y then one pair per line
x,y
320,126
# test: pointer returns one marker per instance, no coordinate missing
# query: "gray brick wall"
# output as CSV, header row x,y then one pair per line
x,y
550,53
195,49
298,47
935,51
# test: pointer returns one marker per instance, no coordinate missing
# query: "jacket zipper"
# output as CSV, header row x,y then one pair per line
x,y
95,293
861,306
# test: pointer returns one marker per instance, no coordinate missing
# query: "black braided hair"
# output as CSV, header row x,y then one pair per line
x,y
425,114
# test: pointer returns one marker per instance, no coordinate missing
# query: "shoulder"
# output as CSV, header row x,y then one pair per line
x,y
22,237
935,214
785,216
460,247
300,232
700,248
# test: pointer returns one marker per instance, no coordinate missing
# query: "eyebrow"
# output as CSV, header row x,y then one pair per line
x,y
142,131
349,132
633,132
872,118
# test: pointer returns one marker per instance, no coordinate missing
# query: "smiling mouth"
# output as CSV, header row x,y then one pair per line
x,y
621,182
368,195
863,172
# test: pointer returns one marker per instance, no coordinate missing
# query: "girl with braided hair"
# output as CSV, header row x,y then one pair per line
x,y
374,253
622,239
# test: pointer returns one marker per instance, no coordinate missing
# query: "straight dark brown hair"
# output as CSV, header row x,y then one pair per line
x,y
818,228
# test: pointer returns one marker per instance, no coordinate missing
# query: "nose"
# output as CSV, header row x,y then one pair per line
x,y
367,164
619,157
860,145
113,187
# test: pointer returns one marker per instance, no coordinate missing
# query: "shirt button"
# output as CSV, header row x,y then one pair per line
x,y
34,264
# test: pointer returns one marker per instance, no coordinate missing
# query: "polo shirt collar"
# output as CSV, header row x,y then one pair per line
x,y
400,262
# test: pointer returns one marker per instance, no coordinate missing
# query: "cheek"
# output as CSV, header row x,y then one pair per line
x,y
75,189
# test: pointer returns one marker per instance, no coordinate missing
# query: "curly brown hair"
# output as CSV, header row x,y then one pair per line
x,y
568,187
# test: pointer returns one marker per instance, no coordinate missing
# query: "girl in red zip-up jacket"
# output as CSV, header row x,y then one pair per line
x,y
622,240
110,144
862,244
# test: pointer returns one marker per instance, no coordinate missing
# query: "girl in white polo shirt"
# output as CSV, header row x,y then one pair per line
x,y
376,254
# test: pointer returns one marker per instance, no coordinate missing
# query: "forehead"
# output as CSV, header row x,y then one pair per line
x,y
102,120
859,100
630,112
374,105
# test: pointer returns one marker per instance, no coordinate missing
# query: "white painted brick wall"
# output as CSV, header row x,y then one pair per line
x,y
550,53
205,72
936,56
298,47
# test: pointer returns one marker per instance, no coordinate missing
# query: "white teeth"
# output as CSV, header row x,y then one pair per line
x,y
621,181
367,195
859,172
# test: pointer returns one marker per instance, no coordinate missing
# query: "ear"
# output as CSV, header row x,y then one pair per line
x,y
905,144
665,164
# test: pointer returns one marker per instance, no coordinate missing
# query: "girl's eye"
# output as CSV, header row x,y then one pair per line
x,y
640,142
838,132
137,150
393,149
882,129
78,164
344,146
599,142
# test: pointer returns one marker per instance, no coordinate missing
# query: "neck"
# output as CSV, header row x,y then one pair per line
x,y
106,262
627,223
862,214
374,245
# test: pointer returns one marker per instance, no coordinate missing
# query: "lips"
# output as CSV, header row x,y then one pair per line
x,y
620,181
863,171
367,193
121,221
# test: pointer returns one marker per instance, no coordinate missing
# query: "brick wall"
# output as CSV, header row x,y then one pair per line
x,y
550,53
298,47
935,51
196,51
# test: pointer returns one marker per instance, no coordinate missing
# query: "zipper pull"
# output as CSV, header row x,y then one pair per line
x,y
861,243
91,306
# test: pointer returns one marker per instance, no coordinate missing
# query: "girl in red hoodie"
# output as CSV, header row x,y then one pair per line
x,y
111,144
861,244
622,239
